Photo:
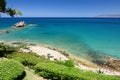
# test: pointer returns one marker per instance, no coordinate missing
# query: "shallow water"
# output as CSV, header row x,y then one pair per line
x,y
77,36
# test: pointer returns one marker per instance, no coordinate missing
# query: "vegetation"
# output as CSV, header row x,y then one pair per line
x,y
6,49
55,71
60,72
23,45
9,11
11,70
28,59
68,63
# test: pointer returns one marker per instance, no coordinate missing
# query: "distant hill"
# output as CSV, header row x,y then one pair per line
x,y
109,15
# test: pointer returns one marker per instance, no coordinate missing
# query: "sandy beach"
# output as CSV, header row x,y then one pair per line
x,y
44,51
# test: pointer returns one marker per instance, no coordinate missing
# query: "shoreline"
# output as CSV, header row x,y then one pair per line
x,y
68,56
52,53
57,54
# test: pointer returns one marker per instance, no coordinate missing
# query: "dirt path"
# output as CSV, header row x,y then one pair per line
x,y
31,76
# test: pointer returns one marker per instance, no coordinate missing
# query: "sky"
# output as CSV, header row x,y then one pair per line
x,y
65,8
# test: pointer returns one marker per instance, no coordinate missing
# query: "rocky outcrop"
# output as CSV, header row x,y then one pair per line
x,y
112,63
20,24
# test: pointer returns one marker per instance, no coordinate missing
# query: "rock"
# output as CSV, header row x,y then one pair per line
x,y
112,63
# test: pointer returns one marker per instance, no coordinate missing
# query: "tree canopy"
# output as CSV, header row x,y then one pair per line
x,y
9,11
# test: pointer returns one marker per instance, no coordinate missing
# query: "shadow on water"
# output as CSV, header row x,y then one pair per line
x,y
92,55
96,56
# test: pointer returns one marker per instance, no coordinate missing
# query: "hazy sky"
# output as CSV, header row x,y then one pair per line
x,y
65,8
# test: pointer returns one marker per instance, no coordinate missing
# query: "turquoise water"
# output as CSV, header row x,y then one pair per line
x,y
78,36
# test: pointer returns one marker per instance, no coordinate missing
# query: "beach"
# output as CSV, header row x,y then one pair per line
x,y
44,51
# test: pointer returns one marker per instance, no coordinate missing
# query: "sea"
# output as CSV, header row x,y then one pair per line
x,y
89,38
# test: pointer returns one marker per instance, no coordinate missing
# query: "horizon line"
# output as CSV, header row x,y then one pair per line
x,y
63,17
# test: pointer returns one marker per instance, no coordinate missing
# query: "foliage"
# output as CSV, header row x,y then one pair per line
x,y
59,72
11,70
23,45
12,12
6,49
54,71
28,59
19,59
2,5
68,63
100,72
9,11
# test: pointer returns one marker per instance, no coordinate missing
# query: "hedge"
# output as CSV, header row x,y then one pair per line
x,y
11,70
28,59
68,63
6,49
59,72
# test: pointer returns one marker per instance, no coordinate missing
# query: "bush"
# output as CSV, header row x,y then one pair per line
x,y
59,72
19,59
67,63
22,45
55,72
6,49
11,70
27,59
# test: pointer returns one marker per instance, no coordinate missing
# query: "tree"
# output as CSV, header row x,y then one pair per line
x,y
2,5
9,11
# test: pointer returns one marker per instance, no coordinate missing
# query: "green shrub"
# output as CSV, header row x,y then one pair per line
x,y
23,45
19,59
28,59
60,62
67,63
6,49
11,70
55,71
